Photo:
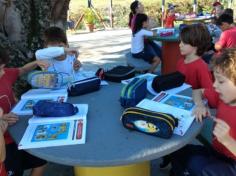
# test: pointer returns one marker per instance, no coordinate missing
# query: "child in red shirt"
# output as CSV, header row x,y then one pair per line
x,y
16,160
220,159
194,41
228,36
169,17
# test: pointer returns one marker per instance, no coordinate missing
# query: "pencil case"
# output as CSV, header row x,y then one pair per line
x,y
149,122
134,92
84,86
46,108
48,79
168,81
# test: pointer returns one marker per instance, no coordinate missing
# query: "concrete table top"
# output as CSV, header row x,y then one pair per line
x,y
108,143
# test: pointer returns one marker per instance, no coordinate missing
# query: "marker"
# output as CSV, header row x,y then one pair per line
x,y
79,129
73,134
161,96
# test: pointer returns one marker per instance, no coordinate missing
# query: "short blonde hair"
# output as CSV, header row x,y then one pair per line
x,y
226,62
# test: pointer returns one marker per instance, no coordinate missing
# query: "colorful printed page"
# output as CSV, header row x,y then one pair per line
x,y
178,110
45,93
31,97
67,131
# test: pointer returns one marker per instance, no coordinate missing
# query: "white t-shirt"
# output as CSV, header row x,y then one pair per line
x,y
137,43
48,54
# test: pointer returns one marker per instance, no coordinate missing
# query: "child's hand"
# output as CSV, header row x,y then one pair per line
x,y
76,65
221,131
3,126
201,111
42,64
10,118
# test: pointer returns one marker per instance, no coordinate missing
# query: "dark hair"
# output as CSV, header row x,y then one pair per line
x,y
133,7
4,57
226,62
224,18
229,11
55,35
138,25
197,35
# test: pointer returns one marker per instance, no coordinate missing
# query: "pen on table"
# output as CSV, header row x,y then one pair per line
x,y
73,134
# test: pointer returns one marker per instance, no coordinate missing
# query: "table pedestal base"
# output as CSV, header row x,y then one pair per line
x,y
140,169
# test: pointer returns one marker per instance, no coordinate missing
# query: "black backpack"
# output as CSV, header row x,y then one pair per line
x,y
117,73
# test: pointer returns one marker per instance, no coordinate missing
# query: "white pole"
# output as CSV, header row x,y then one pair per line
x,y
162,12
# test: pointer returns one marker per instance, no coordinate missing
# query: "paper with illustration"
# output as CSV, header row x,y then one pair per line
x,y
56,131
179,106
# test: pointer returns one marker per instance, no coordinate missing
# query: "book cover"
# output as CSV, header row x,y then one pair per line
x,y
57,132
44,93
31,97
179,106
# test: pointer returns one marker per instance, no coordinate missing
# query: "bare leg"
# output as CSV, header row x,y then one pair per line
x,y
38,171
156,61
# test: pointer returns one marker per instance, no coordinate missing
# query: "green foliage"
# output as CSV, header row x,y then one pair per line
x,y
121,9
89,16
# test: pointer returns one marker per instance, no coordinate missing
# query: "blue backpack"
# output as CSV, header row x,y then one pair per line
x,y
47,108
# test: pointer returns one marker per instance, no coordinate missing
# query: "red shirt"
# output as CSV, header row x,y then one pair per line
x,y
2,170
228,38
225,113
169,21
196,73
7,98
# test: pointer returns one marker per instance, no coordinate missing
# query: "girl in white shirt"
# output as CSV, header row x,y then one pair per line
x,y
138,48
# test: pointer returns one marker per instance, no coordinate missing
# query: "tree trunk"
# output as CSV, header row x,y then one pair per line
x,y
22,24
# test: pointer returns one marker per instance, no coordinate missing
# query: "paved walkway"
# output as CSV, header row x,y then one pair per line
x,y
104,49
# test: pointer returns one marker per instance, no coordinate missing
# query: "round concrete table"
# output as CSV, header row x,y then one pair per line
x,y
110,149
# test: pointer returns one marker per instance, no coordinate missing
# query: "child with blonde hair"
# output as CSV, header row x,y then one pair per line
x,y
220,159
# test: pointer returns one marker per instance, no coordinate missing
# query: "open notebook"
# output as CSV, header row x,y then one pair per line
x,y
56,131
179,106
32,96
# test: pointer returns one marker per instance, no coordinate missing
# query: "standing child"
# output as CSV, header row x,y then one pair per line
x,y
3,127
169,17
138,48
194,41
16,160
220,159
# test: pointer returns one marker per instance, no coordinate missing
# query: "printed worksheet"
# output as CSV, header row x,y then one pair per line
x,y
56,131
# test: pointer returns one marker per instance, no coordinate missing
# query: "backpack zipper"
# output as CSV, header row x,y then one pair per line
x,y
169,120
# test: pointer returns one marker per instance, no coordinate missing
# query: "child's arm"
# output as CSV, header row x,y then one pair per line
x,y
221,132
52,52
32,65
200,110
3,127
